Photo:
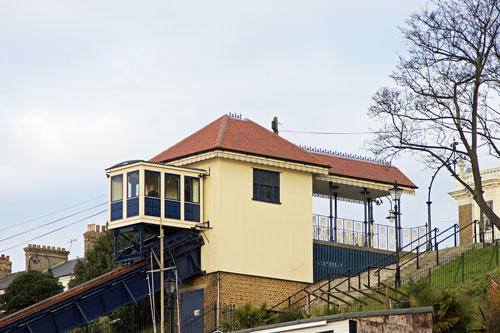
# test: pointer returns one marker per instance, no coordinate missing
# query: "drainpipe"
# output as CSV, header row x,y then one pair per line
x,y
218,299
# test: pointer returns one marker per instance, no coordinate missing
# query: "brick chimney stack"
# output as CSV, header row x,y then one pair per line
x,y
43,257
90,237
5,265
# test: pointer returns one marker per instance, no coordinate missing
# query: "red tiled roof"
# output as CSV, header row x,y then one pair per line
x,y
352,168
237,135
245,136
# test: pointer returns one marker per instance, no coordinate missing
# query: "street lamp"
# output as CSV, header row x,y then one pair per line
x,y
396,192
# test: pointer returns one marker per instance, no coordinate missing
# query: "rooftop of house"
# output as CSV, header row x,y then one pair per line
x,y
64,268
6,280
245,136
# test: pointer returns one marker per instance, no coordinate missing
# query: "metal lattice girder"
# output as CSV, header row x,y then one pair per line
x,y
102,295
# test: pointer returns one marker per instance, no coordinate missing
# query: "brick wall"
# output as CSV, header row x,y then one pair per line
x,y
42,257
5,265
237,290
90,237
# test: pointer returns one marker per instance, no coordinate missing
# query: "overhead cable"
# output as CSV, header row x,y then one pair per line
x,y
55,230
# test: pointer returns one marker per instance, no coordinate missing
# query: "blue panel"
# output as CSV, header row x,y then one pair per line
x,y
331,259
116,211
192,212
173,209
113,291
132,207
152,207
192,311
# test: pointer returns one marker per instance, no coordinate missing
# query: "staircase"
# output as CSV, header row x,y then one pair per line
x,y
374,285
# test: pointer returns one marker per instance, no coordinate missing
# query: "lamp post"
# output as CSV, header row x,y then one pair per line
x,y
396,192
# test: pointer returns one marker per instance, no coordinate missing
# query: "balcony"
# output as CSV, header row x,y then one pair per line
x,y
153,193
350,232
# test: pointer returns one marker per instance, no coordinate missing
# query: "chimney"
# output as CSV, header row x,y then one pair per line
x,y
90,237
5,265
42,258
274,125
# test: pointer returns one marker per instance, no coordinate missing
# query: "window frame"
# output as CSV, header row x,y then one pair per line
x,y
186,199
259,184
178,186
120,176
158,185
138,184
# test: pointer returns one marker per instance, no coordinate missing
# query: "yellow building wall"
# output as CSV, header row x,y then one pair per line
x,y
253,237
491,192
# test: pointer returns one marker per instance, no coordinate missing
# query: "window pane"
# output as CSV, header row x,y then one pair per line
x,y
117,188
152,185
172,187
192,189
133,184
266,185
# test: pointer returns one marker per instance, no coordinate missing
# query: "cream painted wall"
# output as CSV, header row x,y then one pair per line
x,y
491,188
253,237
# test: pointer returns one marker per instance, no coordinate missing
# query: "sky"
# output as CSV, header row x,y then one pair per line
x,y
87,84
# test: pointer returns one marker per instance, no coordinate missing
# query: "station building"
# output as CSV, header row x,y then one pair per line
x,y
249,193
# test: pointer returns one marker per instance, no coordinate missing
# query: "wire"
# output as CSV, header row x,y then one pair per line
x,y
52,222
330,133
55,230
52,213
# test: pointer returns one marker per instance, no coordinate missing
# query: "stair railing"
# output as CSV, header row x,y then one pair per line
x,y
376,267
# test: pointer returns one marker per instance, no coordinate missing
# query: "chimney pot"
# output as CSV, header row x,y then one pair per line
x,y
3,256
38,246
97,228
53,247
43,246
63,249
103,228
29,245
93,226
58,249
89,227
8,258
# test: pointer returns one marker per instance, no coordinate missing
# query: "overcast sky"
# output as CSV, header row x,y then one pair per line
x,y
87,84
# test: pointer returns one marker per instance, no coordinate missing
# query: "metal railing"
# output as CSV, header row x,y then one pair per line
x,y
349,232
414,250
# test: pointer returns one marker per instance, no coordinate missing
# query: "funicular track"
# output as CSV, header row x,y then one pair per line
x,y
378,285
127,285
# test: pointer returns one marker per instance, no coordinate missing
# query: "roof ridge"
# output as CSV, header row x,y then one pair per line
x,y
222,131
291,144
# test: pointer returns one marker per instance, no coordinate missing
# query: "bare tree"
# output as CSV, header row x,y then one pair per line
x,y
446,88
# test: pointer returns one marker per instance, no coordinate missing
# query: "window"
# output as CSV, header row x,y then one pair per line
x,y
487,222
191,189
172,196
172,189
133,184
192,199
152,185
116,188
266,185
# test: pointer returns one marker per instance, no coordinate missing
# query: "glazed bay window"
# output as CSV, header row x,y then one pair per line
x,y
266,185
192,199
172,196
132,193
152,202
116,197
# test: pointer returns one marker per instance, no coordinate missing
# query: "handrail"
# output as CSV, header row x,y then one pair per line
x,y
374,267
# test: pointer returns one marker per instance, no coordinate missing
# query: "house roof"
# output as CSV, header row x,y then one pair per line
x,y
64,268
238,135
6,280
246,136
358,169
